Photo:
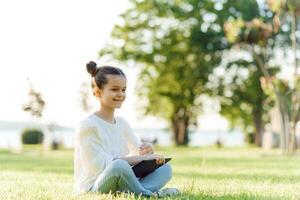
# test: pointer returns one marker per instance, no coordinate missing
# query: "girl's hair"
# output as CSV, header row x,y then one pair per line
x,y
99,73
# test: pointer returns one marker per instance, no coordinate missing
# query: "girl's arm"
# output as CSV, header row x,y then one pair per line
x,y
133,160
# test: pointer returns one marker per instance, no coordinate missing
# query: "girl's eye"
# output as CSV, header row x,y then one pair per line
x,y
115,90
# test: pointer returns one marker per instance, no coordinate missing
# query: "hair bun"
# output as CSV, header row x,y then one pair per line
x,y
92,68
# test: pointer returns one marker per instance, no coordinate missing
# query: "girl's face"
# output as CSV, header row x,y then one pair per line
x,y
113,93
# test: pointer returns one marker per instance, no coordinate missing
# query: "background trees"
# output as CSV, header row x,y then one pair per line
x,y
179,47
176,45
261,38
35,105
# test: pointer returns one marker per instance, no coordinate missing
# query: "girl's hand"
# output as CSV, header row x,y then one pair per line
x,y
146,148
159,159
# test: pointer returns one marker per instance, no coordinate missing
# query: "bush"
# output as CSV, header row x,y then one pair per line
x,y
32,136
250,137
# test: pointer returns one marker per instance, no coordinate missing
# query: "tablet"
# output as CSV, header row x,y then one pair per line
x,y
145,167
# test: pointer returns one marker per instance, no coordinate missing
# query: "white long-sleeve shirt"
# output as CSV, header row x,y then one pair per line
x,y
97,143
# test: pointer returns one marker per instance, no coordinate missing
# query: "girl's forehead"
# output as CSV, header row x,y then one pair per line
x,y
116,80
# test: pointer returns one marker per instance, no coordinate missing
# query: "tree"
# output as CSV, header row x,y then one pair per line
x,y
243,101
257,37
35,104
177,44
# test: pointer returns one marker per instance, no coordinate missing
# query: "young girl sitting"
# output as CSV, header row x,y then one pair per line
x,y
106,148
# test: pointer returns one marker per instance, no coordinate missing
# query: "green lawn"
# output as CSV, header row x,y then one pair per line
x,y
199,173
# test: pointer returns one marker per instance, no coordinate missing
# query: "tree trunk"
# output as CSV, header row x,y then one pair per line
x,y
292,142
259,128
285,120
283,140
180,129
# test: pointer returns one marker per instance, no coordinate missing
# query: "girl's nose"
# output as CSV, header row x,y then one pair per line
x,y
121,94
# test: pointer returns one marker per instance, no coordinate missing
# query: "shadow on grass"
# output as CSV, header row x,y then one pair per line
x,y
270,162
274,178
242,196
188,196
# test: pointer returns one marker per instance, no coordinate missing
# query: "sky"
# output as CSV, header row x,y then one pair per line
x,y
49,42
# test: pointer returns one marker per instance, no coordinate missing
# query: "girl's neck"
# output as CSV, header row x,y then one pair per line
x,y
106,114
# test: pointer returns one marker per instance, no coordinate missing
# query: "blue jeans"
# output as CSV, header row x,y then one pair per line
x,y
118,176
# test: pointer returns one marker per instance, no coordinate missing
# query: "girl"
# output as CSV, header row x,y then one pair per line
x,y
106,148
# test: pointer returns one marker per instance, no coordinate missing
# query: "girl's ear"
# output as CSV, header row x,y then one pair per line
x,y
97,92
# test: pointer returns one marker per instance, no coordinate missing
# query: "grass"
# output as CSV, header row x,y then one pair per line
x,y
199,173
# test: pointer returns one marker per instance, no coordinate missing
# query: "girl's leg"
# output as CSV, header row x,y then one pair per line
x,y
157,179
118,176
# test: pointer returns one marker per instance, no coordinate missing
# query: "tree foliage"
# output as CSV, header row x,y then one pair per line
x,y
35,104
243,101
276,29
177,44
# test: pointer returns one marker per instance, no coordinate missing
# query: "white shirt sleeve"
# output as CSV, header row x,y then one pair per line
x,y
133,141
94,157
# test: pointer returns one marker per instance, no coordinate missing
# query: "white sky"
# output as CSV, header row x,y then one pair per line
x,y
50,41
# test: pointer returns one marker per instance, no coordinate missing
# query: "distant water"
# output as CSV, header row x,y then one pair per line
x,y
199,138
10,138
